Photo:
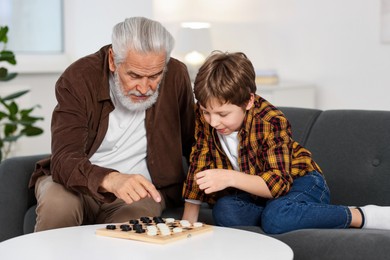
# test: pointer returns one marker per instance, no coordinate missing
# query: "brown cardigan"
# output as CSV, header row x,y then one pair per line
x,y
80,121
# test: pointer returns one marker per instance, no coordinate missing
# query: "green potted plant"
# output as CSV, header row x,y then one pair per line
x,y
14,121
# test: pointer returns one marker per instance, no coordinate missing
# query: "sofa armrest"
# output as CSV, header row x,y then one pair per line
x,y
15,196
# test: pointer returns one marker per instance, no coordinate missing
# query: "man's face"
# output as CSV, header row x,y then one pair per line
x,y
137,79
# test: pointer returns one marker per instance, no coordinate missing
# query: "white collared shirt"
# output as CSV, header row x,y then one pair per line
x,y
124,146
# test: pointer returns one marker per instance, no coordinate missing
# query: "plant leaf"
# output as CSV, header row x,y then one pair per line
x,y
15,95
13,109
8,56
3,115
8,77
3,72
32,131
3,36
9,129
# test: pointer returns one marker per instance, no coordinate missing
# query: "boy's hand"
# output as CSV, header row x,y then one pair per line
x,y
214,180
191,212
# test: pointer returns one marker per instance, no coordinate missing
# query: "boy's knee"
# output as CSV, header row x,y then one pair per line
x,y
275,220
224,212
219,210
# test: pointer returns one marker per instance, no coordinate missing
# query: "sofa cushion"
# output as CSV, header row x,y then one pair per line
x,y
343,244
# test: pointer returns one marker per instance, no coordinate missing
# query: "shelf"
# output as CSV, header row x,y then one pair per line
x,y
290,94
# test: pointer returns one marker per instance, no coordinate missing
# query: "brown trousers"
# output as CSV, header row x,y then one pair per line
x,y
58,207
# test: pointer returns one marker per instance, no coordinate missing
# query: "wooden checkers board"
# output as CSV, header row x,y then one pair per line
x,y
154,230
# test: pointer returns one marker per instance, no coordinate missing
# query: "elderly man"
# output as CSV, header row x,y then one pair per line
x,y
124,119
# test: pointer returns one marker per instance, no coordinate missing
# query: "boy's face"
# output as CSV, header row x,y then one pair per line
x,y
225,118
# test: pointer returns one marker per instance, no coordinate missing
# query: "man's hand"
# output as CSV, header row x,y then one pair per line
x,y
130,187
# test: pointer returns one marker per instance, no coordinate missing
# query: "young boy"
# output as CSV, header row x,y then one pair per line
x,y
246,163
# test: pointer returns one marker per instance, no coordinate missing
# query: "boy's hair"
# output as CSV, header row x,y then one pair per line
x,y
228,77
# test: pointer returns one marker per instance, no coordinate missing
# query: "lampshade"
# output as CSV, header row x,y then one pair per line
x,y
194,45
190,39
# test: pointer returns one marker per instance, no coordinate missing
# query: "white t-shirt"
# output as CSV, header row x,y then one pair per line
x,y
230,147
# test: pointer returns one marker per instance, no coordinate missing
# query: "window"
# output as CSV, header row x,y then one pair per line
x,y
35,26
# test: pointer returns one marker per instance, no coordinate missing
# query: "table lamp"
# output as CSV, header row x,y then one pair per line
x,y
194,44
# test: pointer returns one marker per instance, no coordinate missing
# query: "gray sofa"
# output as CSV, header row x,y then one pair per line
x,y
351,146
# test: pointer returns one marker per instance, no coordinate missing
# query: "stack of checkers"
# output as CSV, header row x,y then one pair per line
x,y
156,229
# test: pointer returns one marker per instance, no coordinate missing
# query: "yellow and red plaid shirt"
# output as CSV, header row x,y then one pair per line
x,y
266,149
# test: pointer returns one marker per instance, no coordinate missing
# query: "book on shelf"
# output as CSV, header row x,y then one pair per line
x,y
266,77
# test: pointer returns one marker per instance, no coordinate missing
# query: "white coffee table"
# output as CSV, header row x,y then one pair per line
x,y
83,243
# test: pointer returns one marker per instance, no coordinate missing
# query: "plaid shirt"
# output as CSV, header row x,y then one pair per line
x,y
266,149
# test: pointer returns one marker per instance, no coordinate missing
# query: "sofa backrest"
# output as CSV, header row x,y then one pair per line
x,y
352,147
301,120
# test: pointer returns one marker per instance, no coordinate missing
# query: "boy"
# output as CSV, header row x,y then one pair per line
x,y
245,162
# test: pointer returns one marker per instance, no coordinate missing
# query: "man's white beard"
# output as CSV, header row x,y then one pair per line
x,y
127,102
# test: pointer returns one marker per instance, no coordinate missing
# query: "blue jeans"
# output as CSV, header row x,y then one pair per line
x,y
306,205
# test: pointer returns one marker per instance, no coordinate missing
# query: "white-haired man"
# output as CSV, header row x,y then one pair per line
x,y
124,119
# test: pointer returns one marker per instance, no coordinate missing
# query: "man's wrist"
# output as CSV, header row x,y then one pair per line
x,y
106,183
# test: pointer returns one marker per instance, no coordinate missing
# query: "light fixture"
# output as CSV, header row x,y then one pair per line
x,y
194,44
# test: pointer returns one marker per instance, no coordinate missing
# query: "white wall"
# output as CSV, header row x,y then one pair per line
x,y
334,44
88,23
